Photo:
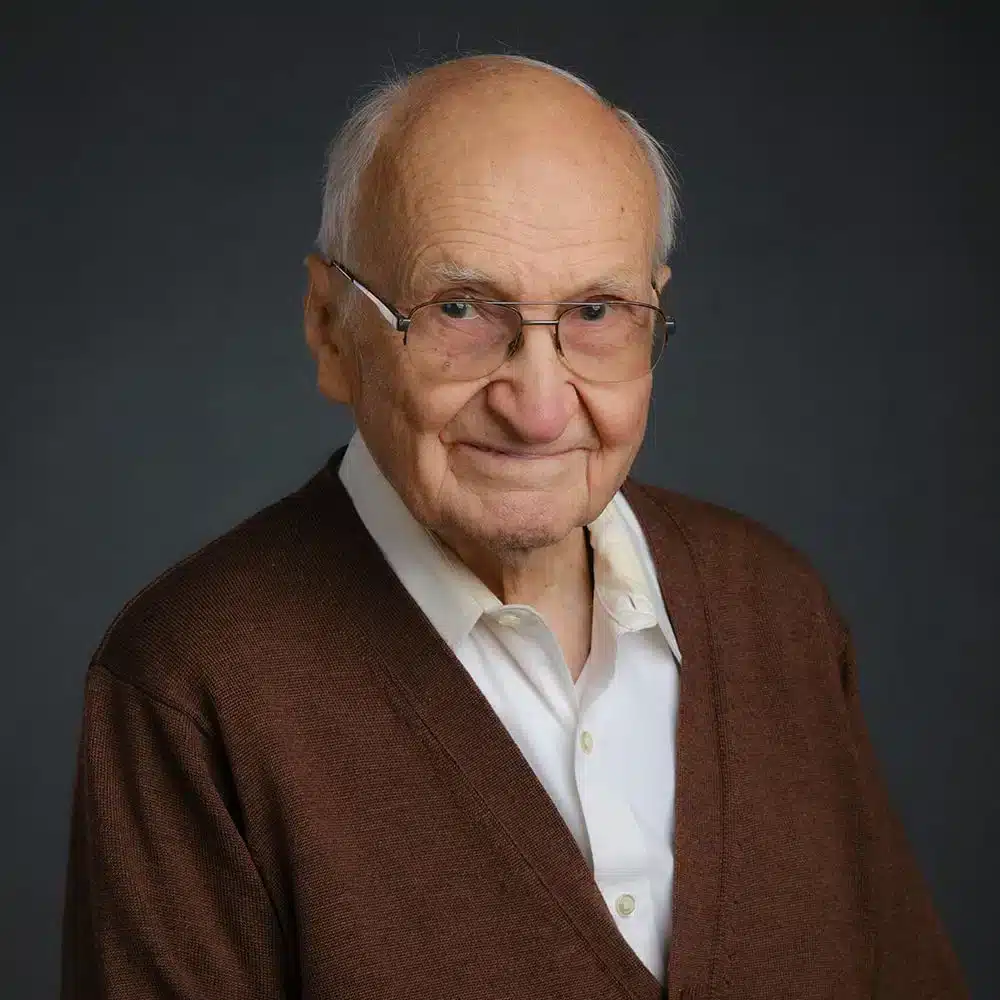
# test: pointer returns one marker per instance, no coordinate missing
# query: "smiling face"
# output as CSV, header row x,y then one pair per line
x,y
517,186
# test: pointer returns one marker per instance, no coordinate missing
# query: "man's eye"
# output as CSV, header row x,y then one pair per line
x,y
595,311
458,310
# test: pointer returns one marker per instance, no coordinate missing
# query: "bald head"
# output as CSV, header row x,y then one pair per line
x,y
489,140
501,93
498,87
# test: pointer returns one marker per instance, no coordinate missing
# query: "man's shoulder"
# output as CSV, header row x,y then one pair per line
x,y
222,608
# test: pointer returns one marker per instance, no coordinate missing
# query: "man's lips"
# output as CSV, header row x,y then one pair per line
x,y
507,452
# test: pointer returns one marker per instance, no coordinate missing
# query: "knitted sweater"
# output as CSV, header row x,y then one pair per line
x,y
289,787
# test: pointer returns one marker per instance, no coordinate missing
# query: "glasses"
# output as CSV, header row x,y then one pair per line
x,y
603,340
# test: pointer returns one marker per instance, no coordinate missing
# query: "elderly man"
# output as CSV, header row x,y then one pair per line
x,y
472,714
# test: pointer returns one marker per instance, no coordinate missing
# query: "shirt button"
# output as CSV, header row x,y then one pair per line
x,y
642,604
509,619
586,741
625,604
625,904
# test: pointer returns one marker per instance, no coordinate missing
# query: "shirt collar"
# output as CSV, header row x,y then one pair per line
x,y
625,579
454,599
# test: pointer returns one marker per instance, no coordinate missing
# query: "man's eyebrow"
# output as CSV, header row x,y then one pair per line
x,y
449,272
625,286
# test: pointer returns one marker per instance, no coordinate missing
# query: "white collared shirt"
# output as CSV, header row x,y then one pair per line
x,y
603,747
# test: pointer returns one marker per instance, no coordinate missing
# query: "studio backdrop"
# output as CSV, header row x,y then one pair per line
x,y
833,374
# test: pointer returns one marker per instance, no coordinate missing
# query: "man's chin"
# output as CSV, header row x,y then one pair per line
x,y
521,540
517,528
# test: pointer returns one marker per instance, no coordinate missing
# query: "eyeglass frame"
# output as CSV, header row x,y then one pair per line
x,y
401,322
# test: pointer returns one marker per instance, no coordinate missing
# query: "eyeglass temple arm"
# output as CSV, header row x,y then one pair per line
x,y
397,319
671,323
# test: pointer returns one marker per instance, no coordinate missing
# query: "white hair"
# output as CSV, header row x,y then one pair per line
x,y
354,146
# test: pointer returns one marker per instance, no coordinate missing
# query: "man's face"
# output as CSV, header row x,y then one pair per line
x,y
540,191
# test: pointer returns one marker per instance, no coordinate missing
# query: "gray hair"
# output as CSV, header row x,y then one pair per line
x,y
354,146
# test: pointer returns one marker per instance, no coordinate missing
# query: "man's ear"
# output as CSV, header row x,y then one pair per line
x,y
325,336
661,278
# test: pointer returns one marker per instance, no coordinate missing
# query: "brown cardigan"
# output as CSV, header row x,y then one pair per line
x,y
289,787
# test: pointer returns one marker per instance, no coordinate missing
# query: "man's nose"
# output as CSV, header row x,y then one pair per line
x,y
533,392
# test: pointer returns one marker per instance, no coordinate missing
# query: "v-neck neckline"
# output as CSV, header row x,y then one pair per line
x,y
457,715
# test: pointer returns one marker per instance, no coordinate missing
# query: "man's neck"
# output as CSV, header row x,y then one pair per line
x,y
557,581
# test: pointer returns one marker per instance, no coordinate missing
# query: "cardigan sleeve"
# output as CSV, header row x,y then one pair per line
x,y
162,898
914,959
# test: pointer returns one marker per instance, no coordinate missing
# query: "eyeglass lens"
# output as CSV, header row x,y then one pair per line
x,y
602,341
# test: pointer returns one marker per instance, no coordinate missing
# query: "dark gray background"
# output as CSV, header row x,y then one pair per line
x,y
835,287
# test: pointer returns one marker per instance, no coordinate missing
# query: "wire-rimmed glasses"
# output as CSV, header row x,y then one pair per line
x,y
603,340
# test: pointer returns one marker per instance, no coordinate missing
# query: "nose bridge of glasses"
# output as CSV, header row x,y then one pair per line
x,y
529,314
549,344
546,314
534,311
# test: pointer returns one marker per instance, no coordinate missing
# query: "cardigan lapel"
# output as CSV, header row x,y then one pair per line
x,y
698,808
461,720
